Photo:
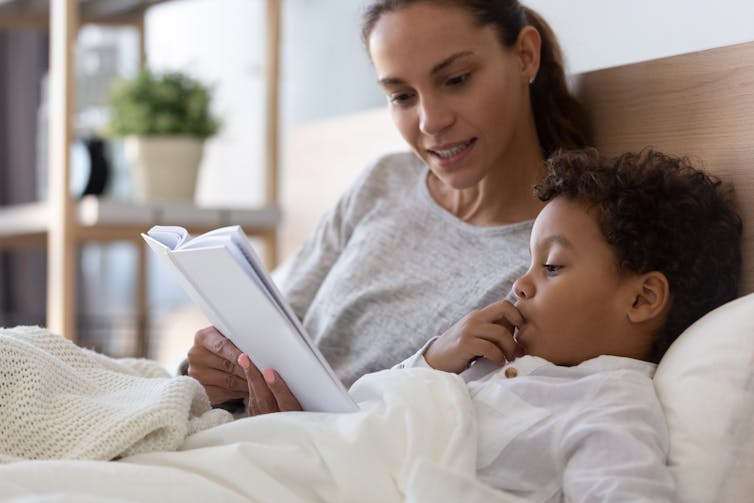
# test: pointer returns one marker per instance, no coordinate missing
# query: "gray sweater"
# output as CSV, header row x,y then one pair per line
x,y
388,268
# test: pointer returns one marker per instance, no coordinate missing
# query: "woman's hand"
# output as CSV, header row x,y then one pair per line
x,y
484,333
213,361
267,391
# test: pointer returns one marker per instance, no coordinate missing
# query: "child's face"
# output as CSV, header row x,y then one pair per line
x,y
572,298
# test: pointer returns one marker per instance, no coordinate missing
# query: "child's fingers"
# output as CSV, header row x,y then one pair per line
x,y
490,351
500,336
502,310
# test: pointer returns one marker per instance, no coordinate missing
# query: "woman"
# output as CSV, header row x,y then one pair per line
x,y
477,89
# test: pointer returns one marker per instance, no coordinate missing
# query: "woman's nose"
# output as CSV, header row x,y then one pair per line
x,y
434,116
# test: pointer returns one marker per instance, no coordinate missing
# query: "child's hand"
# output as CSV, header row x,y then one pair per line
x,y
484,333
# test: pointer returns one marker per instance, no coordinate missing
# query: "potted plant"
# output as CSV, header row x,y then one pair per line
x,y
164,119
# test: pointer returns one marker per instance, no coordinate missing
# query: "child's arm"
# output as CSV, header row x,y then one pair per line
x,y
484,333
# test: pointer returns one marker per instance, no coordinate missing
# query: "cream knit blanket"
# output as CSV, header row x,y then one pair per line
x,y
60,401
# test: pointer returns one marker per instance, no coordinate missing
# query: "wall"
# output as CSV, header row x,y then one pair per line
x,y
601,33
326,73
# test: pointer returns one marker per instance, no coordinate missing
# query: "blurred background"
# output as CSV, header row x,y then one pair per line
x,y
331,123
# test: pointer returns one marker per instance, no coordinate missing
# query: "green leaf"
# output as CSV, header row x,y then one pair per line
x,y
170,103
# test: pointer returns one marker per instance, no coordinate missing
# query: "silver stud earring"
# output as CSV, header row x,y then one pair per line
x,y
531,80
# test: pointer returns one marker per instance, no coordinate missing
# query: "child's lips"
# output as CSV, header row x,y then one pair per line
x,y
518,334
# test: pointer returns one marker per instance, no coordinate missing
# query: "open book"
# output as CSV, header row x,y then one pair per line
x,y
223,275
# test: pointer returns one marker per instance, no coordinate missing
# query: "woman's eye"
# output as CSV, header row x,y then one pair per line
x,y
551,269
458,80
401,98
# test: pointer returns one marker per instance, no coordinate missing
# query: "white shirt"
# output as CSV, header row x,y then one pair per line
x,y
590,433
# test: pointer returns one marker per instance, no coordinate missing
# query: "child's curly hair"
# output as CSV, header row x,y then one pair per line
x,y
659,213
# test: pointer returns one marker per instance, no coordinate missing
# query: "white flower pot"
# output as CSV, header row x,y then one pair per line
x,y
165,168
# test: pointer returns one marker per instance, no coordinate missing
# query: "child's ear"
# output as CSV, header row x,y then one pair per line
x,y
651,297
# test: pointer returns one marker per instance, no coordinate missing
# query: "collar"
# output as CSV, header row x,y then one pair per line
x,y
527,365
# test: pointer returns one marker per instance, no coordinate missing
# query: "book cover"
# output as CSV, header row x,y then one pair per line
x,y
222,274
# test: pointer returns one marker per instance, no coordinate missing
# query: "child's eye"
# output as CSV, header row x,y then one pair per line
x,y
551,269
460,79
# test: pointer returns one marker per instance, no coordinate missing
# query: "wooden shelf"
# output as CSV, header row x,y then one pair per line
x,y
62,224
25,224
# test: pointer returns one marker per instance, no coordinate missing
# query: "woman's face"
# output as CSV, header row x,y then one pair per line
x,y
458,97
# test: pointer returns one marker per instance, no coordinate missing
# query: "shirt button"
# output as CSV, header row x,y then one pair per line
x,y
511,372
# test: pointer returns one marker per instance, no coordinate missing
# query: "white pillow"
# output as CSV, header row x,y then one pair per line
x,y
706,385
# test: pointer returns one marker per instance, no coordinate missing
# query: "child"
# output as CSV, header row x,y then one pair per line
x,y
626,254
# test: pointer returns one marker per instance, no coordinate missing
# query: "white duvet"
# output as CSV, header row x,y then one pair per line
x,y
413,440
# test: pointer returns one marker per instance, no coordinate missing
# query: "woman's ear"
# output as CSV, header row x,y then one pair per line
x,y
651,297
528,46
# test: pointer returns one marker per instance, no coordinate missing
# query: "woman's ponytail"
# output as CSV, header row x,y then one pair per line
x,y
560,119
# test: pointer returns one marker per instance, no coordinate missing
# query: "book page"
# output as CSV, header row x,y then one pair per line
x,y
171,236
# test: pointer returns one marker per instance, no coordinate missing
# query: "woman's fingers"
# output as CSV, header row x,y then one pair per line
x,y
209,363
267,393
210,376
220,385
285,399
218,395
209,360
261,399
211,339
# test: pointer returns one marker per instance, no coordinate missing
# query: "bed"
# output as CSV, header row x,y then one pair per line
x,y
698,104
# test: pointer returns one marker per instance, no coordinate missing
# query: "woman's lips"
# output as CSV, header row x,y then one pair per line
x,y
451,152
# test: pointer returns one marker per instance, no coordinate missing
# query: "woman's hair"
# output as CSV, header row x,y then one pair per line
x,y
658,213
560,119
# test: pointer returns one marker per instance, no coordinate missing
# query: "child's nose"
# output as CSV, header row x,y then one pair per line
x,y
522,288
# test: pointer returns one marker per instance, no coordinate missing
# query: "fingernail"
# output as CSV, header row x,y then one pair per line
x,y
244,361
269,376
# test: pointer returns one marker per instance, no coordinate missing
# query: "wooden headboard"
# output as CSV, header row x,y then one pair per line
x,y
698,104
